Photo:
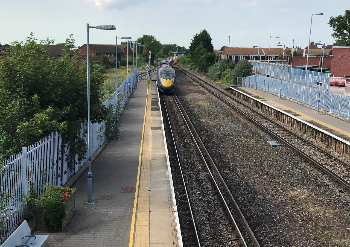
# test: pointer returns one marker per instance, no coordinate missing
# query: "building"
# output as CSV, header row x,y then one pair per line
x,y
100,50
236,54
55,51
340,61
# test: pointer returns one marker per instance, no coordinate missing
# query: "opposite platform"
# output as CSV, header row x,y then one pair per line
x,y
338,126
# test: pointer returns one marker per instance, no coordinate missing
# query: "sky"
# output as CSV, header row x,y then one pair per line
x,y
248,22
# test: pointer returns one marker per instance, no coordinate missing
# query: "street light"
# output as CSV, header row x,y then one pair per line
x,y
116,63
308,48
255,46
276,37
284,46
323,46
229,37
127,54
102,27
140,45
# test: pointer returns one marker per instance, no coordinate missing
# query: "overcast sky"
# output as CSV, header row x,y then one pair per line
x,y
249,22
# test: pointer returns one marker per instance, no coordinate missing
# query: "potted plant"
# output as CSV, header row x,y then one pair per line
x,y
54,208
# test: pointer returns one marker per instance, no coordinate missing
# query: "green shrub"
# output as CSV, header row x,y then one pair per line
x,y
242,69
53,213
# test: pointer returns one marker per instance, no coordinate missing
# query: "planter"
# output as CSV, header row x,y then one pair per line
x,y
69,206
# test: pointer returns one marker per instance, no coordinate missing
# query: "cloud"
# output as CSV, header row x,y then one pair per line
x,y
116,4
252,4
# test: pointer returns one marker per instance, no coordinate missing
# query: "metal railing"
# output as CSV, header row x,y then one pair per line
x,y
316,97
45,162
294,75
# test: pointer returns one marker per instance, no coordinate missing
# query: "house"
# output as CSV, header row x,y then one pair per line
x,y
218,52
316,52
3,48
100,50
237,54
124,51
55,51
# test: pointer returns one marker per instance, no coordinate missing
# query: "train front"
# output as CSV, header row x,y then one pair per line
x,y
166,80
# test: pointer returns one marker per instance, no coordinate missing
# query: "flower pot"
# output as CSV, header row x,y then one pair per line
x,y
69,206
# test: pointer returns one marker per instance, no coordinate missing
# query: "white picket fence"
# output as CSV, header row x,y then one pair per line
x,y
45,162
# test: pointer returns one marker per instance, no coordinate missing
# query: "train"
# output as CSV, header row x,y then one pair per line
x,y
166,77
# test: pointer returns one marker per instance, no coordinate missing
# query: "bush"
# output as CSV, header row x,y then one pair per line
x,y
39,94
54,212
185,61
214,72
242,69
123,62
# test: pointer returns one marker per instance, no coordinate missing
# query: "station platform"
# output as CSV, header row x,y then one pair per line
x,y
338,126
133,200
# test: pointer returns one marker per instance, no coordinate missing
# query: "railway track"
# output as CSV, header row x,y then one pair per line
x,y
243,235
337,169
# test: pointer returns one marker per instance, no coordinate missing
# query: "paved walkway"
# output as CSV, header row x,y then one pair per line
x,y
338,126
108,221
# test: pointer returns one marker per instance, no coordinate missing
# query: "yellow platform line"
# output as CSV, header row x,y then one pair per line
x,y
303,114
132,229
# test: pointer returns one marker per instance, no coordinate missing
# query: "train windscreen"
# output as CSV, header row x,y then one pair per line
x,y
167,75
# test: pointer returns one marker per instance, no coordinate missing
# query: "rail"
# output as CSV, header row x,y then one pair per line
x,y
243,230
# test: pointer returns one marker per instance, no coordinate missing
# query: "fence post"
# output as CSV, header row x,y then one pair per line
x,y
331,106
24,172
348,112
339,106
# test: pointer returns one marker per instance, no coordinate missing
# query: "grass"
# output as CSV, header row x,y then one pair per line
x,y
108,86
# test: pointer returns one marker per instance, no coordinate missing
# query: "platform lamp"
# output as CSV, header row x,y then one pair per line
x,y
256,46
127,54
308,47
276,37
89,176
138,45
284,46
323,46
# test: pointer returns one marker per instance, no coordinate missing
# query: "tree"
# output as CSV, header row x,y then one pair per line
x,y
223,48
341,28
297,53
204,39
242,69
202,51
150,43
39,95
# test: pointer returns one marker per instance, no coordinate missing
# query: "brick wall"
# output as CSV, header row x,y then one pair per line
x,y
327,62
341,62
299,61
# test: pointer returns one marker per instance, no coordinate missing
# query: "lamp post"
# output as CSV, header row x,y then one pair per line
x,y
292,54
127,54
116,62
323,46
229,37
255,46
308,47
149,58
284,46
138,44
277,37
89,176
